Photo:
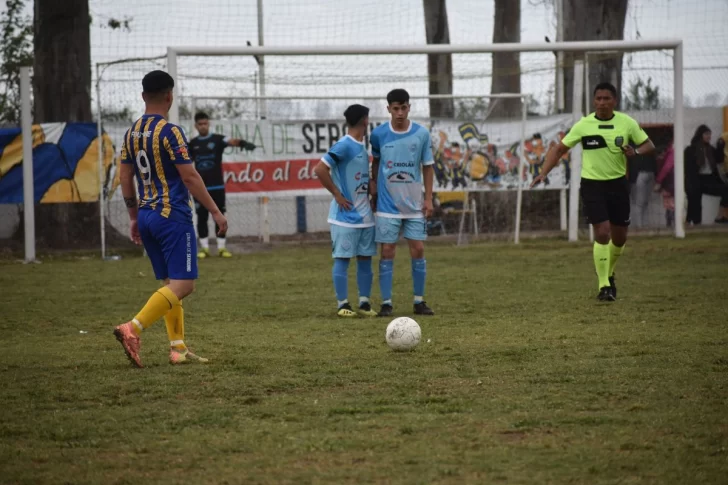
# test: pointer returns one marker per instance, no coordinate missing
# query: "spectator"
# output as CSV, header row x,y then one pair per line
x,y
701,177
665,184
642,170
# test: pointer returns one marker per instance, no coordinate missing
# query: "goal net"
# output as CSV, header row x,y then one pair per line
x,y
289,102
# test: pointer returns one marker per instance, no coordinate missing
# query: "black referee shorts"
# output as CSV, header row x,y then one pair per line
x,y
606,200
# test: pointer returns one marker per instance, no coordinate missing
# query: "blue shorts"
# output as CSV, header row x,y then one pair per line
x,y
389,229
350,242
170,245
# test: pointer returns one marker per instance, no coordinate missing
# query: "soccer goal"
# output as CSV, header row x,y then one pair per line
x,y
474,155
290,100
357,73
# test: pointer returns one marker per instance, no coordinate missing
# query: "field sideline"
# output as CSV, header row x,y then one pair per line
x,y
521,377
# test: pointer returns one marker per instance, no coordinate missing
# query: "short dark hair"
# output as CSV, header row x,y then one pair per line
x,y
157,82
397,96
605,87
355,113
201,115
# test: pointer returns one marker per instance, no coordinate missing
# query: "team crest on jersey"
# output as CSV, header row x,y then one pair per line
x,y
211,145
413,147
205,165
619,141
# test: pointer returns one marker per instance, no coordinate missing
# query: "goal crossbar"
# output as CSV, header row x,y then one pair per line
x,y
584,46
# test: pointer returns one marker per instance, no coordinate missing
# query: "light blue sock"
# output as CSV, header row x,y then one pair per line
x,y
341,280
364,278
419,273
386,271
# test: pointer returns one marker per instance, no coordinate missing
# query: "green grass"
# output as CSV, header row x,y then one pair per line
x,y
521,377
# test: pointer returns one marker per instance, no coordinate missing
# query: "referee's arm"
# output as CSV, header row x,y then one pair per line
x,y
638,136
553,156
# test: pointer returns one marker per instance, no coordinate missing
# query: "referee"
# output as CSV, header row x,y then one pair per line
x,y
206,150
607,138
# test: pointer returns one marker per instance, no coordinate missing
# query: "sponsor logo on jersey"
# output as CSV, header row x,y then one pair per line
x,y
400,178
391,164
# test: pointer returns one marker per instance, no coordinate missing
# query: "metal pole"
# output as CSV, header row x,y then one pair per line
x,y
172,71
28,181
575,155
521,166
587,109
100,164
261,64
679,142
263,115
560,98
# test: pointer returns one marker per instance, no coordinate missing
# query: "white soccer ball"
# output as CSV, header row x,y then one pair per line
x,y
403,334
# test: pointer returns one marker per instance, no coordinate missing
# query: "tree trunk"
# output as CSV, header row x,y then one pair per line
x,y
62,92
506,65
593,20
439,66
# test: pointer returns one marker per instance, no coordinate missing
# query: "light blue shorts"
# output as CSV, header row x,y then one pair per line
x,y
350,242
389,229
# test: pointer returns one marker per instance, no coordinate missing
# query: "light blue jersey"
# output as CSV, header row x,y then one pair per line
x,y
349,163
401,158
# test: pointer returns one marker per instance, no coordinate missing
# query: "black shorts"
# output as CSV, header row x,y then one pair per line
x,y
218,195
606,200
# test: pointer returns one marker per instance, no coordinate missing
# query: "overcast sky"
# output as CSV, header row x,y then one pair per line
x,y
155,24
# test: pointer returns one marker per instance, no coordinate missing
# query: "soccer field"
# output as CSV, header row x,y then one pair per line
x,y
521,377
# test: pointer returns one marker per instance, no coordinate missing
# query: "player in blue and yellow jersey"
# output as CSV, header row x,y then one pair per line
x,y
344,172
403,173
607,137
155,151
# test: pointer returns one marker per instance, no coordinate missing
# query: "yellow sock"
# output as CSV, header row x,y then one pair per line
x,y
174,319
614,253
157,306
601,263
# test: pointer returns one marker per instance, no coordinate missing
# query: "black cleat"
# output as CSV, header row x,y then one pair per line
x,y
421,308
386,311
605,294
613,287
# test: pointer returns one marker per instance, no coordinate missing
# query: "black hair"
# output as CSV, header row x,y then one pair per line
x,y
606,87
157,82
397,96
355,113
698,136
201,115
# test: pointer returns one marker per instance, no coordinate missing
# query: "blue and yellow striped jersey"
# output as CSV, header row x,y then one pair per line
x,y
154,147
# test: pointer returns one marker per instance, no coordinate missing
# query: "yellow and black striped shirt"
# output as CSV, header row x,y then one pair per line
x,y
154,147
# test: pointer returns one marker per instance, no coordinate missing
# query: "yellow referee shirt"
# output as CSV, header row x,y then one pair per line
x,y
601,141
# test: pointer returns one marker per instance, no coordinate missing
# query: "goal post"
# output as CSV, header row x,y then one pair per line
x,y
671,45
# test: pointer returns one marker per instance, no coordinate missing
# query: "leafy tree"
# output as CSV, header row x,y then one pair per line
x,y
16,50
641,96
